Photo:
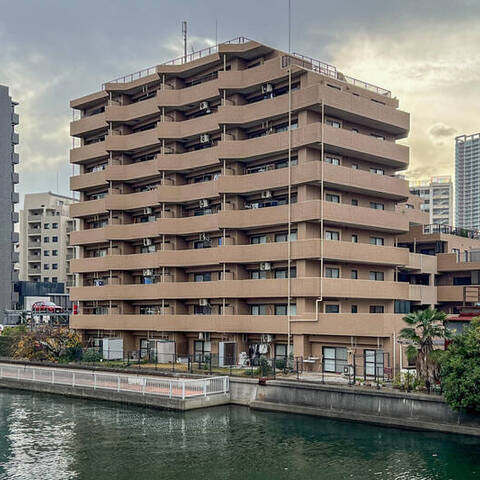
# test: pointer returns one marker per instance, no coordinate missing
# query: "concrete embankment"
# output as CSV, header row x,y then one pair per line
x,y
394,409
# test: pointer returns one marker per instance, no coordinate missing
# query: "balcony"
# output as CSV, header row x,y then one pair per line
x,y
133,141
424,294
85,153
88,208
88,125
185,323
364,289
88,180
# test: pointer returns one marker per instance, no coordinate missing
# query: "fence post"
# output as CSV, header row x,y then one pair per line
x,y
143,386
94,380
73,379
53,376
33,373
118,383
170,392
183,390
224,384
18,373
205,388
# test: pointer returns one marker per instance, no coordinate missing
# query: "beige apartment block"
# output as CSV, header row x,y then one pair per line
x,y
45,227
244,196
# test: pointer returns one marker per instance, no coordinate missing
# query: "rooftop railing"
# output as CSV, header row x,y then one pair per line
x,y
449,230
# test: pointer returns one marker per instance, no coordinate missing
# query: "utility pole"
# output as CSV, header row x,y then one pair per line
x,y
184,32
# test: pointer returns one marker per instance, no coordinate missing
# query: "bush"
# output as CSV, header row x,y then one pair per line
x,y
92,355
460,370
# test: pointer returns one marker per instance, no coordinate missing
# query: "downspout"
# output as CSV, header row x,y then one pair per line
x,y
289,231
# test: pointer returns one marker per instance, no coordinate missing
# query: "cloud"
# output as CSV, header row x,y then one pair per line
x,y
441,130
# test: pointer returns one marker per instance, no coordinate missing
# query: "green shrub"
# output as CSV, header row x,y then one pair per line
x,y
92,355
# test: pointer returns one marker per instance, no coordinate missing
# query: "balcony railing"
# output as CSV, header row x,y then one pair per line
x,y
449,230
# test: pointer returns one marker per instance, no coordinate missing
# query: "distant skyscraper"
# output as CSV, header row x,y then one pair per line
x,y
467,181
8,199
437,195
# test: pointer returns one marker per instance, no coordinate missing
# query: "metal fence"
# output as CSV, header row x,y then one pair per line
x,y
165,387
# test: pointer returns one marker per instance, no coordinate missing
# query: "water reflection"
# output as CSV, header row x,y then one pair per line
x,y
48,437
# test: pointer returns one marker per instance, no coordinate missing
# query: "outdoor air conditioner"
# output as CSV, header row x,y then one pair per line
x,y
203,105
267,194
204,237
204,138
148,210
266,338
203,302
265,266
203,203
147,242
205,336
267,88
147,272
98,283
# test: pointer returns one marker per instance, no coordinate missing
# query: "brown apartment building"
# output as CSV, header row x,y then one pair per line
x,y
243,197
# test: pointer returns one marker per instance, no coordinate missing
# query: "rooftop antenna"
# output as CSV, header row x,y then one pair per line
x,y
184,32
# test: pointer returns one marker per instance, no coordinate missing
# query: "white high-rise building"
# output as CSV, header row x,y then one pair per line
x,y
467,181
437,196
45,226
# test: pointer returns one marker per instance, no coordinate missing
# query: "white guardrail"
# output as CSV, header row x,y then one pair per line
x,y
165,387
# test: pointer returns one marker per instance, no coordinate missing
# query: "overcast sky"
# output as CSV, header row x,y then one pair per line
x,y
424,51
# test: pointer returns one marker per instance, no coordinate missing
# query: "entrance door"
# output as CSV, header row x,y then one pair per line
x,y
226,353
334,359
373,363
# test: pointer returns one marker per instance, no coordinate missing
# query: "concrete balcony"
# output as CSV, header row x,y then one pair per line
x,y
189,128
187,96
133,111
185,323
277,288
451,293
88,208
448,262
88,125
88,237
85,153
89,100
134,141
424,263
366,289
88,180
424,294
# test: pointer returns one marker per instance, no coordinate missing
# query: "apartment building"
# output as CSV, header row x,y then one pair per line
x,y
467,181
8,199
243,197
45,227
437,196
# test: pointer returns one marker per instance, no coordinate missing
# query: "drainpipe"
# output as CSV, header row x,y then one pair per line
x,y
289,231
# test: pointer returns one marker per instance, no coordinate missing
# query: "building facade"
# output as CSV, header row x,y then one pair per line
x,y
244,198
437,196
467,181
8,198
45,227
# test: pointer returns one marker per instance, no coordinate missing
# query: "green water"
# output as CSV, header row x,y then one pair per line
x,y
50,437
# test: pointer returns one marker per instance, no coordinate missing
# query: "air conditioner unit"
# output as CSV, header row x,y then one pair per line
x,y
266,338
267,88
205,138
147,242
265,266
203,203
203,302
148,210
98,283
267,194
205,336
147,272
203,105
204,237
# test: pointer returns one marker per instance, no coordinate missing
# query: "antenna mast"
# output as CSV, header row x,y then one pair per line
x,y
184,32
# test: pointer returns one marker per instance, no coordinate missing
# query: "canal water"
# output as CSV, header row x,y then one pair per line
x,y
45,437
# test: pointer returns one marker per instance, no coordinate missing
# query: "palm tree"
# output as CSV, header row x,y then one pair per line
x,y
424,327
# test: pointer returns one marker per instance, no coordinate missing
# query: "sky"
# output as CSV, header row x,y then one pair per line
x,y
424,51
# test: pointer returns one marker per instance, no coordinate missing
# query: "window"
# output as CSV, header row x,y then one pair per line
x,y
402,306
54,266
258,309
332,272
149,249
377,241
378,276
332,308
258,274
54,280
377,309
355,130
354,202
46,253
46,239
46,279
333,123
46,266
332,160
202,309
46,226
377,171
379,137
282,309
354,238
55,225
331,235
282,237
355,166
201,244
354,275
330,197
258,239
54,239
54,253
377,206
334,359
203,277
202,351
354,309
282,272
373,363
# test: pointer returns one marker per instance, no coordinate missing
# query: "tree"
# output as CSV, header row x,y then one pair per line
x,y
424,327
49,343
460,369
